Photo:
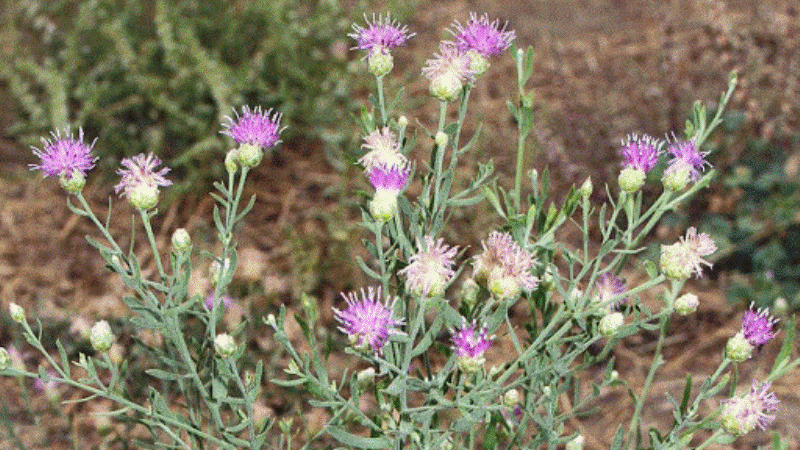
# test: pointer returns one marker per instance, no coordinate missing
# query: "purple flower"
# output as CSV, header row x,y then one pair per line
x,y
389,178
430,269
607,287
64,156
740,415
640,153
482,36
382,32
470,344
384,149
225,300
687,156
757,326
367,320
506,265
254,127
140,171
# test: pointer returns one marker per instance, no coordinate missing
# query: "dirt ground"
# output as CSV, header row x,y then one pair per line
x,y
602,71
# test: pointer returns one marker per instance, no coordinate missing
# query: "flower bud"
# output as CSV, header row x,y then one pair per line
x,y
224,345
575,444
383,206
402,122
677,177
738,348
231,164
366,377
101,337
469,292
611,323
249,155
676,262
511,398
217,270
780,307
446,86
17,313
144,196
73,184
5,359
686,304
586,188
380,61
181,241
631,179
441,139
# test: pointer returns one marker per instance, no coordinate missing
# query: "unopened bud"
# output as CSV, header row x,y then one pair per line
x,y
575,444
441,139
780,307
181,241
101,337
738,348
402,122
611,323
366,377
231,158
686,304
586,188
511,398
224,345
469,292
17,313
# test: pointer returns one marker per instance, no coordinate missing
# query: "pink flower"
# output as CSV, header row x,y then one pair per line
x,y
382,32
384,149
506,265
757,326
740,415
640,153
141,170
470,343
254,127
64,156
368,321
430,269
684,258
487,38
607,287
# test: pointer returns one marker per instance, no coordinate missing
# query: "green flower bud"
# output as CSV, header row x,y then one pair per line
x,y
511,398
380,61
611,323
470,364
231,161
101,337
441,139
586,188
143,196
181,241
478,64
402,122
469,292
5,359
384,205
224,345
17,313
250,155
446,86
575,444
366,377
677,177
738,349
631,180
686,304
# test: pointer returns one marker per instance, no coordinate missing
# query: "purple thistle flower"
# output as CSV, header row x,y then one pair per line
x,y
487,38
225,300
140,171
757,326
687,156
64,156
388,178
382,32
367,321
640,153
743,414
430,269
384,149
254,127
607,287
470,344
447,71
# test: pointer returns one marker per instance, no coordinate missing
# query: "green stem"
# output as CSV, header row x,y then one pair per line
x,y
152,239
381,100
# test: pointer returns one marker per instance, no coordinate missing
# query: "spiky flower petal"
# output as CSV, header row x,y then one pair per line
x,y
506,266
687,163
741,415
606,288
470,343
368,321
684,258
757,326
384,149
485,37
254,127
431,269
447,71
140,180
381,32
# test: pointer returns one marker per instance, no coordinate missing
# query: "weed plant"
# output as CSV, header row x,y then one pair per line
x,y
424,328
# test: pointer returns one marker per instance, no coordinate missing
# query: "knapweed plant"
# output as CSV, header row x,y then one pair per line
x,y
425,329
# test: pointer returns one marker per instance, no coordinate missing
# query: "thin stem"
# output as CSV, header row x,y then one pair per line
x,y
152,239
381,99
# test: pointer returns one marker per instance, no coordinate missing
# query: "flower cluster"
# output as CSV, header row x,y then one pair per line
x,y
506,266
641,155
367,320
377,38
470,343
140,180
687,163
684,258
431,269
67,158
741,415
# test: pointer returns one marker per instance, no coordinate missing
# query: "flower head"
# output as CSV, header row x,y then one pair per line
x,y
367,320
430,269
606,288
506,265
447,71
470,344
382,32
65,157
487,38
140,180
741,415
640,153
384,149
680,260
253,129
223,300
687,163
757,326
